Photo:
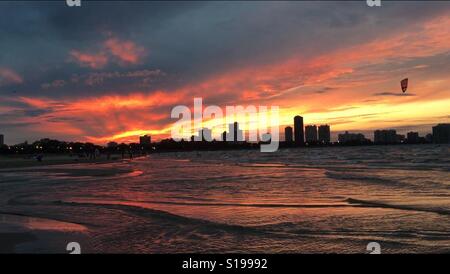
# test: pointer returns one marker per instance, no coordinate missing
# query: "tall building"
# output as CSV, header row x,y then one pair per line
x,y
298,130
311,134
412,137
441,134
324,134
385,136
235,131
235,134
399,138
288,137
2,140
205,134
145,140
351,138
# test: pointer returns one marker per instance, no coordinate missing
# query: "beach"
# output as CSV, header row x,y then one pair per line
x,y
20,160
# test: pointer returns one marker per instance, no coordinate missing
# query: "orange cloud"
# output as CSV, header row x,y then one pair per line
x,y
125,51
95,61
104,118
122,51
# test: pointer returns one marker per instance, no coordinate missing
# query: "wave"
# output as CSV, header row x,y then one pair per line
x,y
146,212
349,202
253,205
215,204
263,165
364,203
200,227
363,178
361,233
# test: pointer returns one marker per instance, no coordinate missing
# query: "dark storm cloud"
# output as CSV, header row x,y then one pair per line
x,y
64,119
19,109
188,41
36,112
11,125
40,35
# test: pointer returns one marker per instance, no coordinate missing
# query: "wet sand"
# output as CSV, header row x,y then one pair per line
x,y
24,234
11,239
30,234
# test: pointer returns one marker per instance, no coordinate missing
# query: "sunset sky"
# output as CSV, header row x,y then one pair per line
x,y
114,70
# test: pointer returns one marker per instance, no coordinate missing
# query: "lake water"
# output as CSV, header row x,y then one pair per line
x,y
301,200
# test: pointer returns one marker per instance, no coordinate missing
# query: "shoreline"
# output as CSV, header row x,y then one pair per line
x,y
29,234
10,240
27,160
24,161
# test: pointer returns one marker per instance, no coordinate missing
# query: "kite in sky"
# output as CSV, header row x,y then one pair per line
x,y
404,84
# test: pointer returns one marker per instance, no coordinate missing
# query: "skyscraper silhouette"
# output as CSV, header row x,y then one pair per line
x,y
234,133
324,134
352,138
413,137
298,131
288,134
385,136
311,134
441,134
205,134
